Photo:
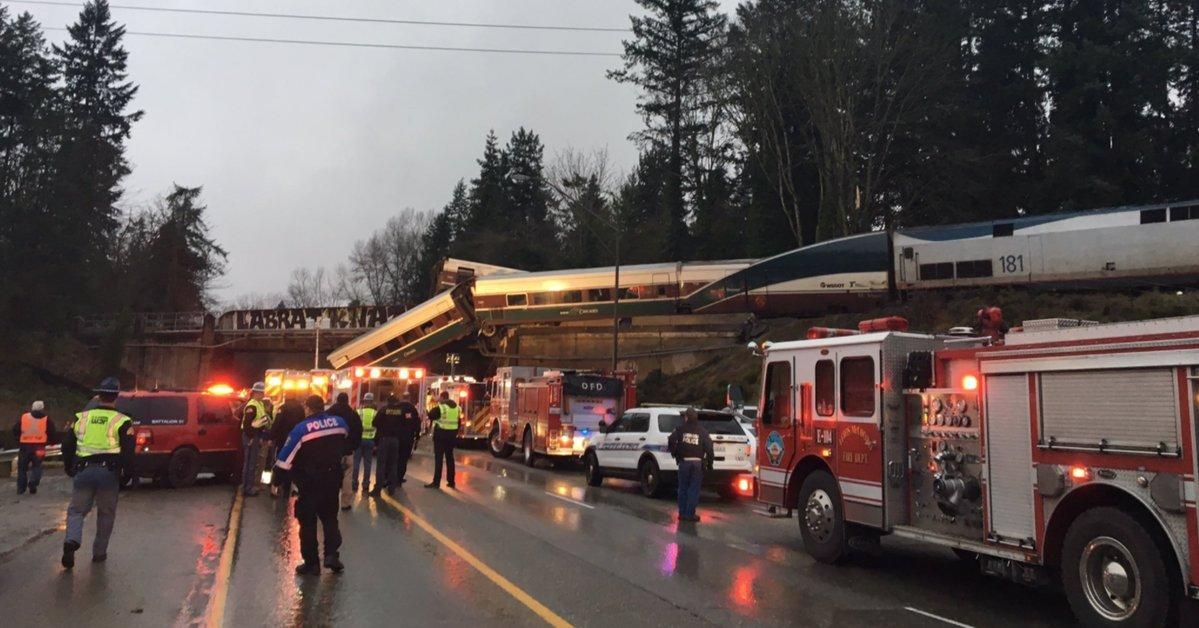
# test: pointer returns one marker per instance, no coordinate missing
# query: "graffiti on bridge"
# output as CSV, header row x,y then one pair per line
x,y
363,317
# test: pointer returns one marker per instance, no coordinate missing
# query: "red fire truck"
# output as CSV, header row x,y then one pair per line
x,y
1066,451
553,413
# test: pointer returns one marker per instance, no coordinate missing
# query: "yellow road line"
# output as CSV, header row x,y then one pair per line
x,y
540,609
220,585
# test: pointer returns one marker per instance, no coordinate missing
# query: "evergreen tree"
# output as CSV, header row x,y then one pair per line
x,y
434,243
182,259
671,57
95,99
1109,85
527,228
458,211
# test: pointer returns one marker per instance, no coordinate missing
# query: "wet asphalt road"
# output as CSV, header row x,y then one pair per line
x,y
592,556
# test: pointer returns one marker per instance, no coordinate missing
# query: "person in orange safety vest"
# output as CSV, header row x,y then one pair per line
x,y
33,432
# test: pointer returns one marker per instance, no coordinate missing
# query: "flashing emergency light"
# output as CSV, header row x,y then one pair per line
x,y
403,373
274,381
345,383
320,380
360,372
220,389
376,373
970,382
462,394
1080,474
418,374
745,485
289,385
826,452
302,384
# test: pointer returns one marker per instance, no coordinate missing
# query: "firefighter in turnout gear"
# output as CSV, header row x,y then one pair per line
x,y
94,451
366,451
255,421
33,432
312,454
445,433
691,445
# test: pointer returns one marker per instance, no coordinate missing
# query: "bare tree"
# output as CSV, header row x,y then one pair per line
x,y
382,266
256,301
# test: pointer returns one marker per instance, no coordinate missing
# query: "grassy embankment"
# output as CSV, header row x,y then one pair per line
x,y
927,312
56,371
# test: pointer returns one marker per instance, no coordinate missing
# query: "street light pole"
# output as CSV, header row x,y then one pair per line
x,y
616,301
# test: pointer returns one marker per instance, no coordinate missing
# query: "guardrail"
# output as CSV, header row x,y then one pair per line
x,y
8,458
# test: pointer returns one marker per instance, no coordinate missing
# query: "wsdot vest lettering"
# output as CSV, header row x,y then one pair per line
x,y
447,418
97,432
368,423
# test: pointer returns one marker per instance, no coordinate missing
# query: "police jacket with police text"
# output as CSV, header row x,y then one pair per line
x,y
397,420
690,440
315,445
353,421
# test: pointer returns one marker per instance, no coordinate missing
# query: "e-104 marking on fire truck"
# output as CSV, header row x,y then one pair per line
x,y
1067,451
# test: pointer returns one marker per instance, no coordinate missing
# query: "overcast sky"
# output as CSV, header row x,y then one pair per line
x,y
304,149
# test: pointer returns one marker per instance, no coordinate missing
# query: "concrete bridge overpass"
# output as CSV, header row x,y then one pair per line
x,y
191,349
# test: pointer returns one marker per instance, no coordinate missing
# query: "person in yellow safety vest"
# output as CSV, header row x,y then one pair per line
x,y
445,434
255,422
365,453
33,432
95,450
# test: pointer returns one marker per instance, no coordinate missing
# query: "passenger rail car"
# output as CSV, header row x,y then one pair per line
x,y
443,319
576,294
1156,244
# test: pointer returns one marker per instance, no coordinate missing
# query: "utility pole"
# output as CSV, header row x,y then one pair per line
x,y
616,301
316,352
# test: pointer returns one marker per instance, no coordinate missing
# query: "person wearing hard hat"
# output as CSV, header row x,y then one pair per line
x,y
255,421
33,431
363,456
94,451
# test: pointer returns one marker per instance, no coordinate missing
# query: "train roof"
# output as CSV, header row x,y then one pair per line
x,y
601,277
1122,215
418,315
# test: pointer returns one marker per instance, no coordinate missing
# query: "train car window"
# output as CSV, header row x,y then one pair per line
x,y
777,408
936,271
1189,212
603,294
662,290
1149,216
517,300
1002,230
974,268
826,388
857,386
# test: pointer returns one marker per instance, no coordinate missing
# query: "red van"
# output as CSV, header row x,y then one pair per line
x,y
181,434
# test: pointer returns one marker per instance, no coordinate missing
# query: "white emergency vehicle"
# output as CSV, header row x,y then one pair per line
x,y
634,447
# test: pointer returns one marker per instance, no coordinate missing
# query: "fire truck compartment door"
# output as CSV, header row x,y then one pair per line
x,y
1009,460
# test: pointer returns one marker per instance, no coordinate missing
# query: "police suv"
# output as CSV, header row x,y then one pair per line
x,y
634,447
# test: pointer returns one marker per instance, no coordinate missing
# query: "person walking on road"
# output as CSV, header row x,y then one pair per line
x,y
94,451
342,409
291,413
365,451
445,435
255,420
388,429
691,446
409,432
33,431
313,454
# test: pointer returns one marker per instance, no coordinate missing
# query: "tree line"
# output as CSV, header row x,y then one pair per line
x,y
795,121
67,248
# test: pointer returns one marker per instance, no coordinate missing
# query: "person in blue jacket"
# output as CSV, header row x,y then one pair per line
x,y
312,456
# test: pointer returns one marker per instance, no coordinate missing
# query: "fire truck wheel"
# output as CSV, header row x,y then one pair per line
x,y
821,521
182,468
498,447
528,456
1114,572
651,478
595,475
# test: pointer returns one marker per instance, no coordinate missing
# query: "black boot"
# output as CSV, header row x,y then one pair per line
x,y
334,564
68,553
306,569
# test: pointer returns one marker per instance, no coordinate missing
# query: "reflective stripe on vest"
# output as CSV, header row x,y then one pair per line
x,y
368,423
262,418
97,432
33,430
447,417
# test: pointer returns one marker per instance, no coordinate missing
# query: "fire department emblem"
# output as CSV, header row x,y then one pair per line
x,y
775,448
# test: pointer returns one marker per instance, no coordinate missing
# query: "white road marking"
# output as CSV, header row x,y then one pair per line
x,y
937,617
567,499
